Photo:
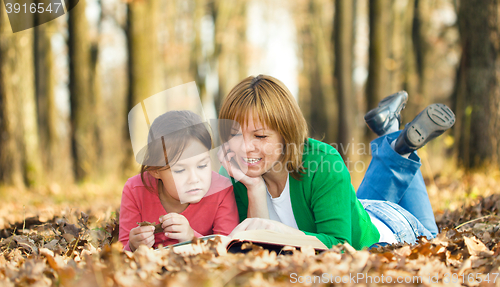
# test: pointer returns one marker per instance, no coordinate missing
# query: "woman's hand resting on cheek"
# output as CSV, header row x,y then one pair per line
x,y
225,155
256,187
267,224
176,226
141,235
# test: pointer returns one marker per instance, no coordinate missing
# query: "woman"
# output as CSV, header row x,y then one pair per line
x,y
294,184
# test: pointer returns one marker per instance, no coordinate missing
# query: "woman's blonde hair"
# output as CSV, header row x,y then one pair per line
x,y
272,103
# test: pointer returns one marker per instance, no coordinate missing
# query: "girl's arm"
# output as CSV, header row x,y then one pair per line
x,y
226,217
130,214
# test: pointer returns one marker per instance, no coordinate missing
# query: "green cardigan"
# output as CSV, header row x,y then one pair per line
x,y
324,202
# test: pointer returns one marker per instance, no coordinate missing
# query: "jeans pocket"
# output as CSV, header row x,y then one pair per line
x,y
403,225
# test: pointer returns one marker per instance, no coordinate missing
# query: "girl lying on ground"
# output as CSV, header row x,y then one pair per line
x,y
177,187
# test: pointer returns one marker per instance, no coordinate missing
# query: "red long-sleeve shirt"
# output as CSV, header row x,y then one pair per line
x,y
216,213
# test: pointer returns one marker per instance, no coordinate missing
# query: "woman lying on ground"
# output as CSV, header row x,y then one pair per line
x,y
293,184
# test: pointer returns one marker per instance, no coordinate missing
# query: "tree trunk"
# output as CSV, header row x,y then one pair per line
x,y
377,85
316,93
46,108
420,98
82,101
19,145
479,142
241,47
196,62
143,60
343,41
411,77
11,157
324,102
230,42
400,49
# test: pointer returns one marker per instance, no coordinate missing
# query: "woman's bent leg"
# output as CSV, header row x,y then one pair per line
x,y
397,179
416,201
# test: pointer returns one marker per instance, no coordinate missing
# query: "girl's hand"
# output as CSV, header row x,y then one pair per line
x,y
225,155
176,226
267,224
141,235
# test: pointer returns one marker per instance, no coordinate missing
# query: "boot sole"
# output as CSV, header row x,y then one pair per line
x,y
429,124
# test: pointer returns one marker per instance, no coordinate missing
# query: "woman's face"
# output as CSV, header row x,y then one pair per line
x,y
189,179
258,149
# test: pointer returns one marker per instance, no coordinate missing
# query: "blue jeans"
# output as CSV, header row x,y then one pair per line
x,y
394,191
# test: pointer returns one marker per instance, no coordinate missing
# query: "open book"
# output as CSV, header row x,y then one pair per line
x,y
268,239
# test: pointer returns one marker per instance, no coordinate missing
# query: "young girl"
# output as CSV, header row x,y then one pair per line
x,y
176,187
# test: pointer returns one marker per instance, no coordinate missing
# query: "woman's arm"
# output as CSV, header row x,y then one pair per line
x,y
257,201
337,213
331,200
328,200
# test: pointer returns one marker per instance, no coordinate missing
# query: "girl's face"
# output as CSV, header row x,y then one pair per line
x,y
189,179
258,149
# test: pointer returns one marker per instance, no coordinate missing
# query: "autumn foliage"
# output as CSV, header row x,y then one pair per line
x,y
79,249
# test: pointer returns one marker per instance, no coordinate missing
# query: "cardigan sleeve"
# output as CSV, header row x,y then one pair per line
x,y
331,200
130,214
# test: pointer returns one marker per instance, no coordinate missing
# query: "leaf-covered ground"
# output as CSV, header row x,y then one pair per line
x,y
68,247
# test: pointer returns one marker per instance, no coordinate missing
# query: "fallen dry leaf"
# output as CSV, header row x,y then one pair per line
x,y
79,249
158,228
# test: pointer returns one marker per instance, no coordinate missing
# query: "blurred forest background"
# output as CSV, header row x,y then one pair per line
x,y
66,86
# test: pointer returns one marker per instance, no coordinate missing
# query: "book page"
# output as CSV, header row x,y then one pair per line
x,y
273,237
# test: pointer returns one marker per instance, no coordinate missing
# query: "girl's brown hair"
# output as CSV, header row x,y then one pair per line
x,y
271,102
169,134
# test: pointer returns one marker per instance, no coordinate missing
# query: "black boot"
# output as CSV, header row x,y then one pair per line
x,y
429,124
381,118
